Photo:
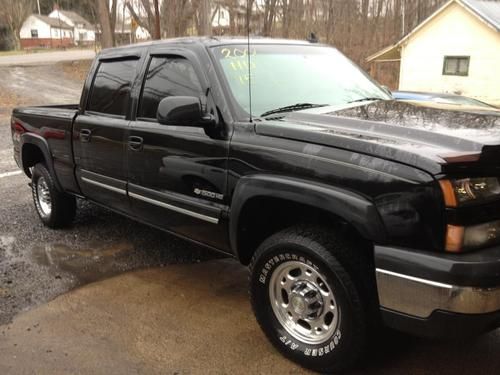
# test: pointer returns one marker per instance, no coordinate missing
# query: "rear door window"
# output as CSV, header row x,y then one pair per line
x,y
167,76
110,92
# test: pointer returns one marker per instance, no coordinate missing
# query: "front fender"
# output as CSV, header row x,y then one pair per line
x,y
351,207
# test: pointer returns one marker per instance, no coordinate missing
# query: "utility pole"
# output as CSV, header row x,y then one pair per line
x,y
38,4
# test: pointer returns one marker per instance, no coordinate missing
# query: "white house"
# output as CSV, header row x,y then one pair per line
x,y
455,50
220,15
128,31
83,31
45,32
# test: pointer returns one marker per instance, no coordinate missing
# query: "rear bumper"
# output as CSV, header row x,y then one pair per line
x,y
439,295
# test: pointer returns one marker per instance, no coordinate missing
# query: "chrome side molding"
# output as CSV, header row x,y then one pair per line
x,y
90,178
171,207
104,186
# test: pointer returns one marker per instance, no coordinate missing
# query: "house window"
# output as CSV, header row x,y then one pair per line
x,y
456,65
34,33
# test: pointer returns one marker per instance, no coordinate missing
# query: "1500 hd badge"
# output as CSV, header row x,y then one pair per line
x,y
208,194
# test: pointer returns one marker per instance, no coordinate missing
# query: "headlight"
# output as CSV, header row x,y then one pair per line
x,y
459,239
468,190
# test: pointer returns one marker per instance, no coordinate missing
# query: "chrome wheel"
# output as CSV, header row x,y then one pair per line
x,y
303,302
43,197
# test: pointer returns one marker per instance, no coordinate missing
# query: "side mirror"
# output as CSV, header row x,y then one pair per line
x,y
181,111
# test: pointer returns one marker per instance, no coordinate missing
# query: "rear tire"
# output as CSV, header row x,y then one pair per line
x,y
307,293
56,209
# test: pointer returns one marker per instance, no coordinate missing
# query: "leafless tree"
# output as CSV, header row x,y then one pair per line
x,y
205,18
356,27
152,22
107,33
13,13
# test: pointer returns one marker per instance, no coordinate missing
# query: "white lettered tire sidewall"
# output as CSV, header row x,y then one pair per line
x,y
316,356
63,206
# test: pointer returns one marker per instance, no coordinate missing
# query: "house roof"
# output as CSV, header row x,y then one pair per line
x,y
54,22
487,11
76,18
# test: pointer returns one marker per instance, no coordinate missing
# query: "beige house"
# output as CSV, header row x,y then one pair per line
x,y
455,50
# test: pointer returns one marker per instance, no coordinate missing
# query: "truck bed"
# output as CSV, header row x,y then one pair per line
x,y
54,124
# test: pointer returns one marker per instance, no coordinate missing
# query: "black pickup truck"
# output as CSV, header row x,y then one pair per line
x,y
351,209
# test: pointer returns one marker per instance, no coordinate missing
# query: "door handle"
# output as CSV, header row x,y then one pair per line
x,y
85,135
135,143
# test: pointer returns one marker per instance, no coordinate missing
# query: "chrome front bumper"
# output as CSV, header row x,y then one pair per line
x,y
421,297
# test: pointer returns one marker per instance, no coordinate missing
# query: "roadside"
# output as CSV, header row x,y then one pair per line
x,y
46,57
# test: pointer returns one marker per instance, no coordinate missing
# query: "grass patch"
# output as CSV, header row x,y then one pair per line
x,y
11,53
75,70
8,101
40,50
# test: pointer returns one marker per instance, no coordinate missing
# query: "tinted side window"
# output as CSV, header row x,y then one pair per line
x,y
167,76
111,90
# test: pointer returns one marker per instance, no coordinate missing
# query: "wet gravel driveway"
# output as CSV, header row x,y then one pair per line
x,y
37,263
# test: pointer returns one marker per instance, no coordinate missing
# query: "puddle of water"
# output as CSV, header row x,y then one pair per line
x,y
86,264
33,274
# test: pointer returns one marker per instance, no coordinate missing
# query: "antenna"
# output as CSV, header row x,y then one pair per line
x,y
248,55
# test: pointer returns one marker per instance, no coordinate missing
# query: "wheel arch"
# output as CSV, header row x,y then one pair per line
x,y
283,198
35,149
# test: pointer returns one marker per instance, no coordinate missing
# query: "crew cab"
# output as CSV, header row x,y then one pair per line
x,y
352,210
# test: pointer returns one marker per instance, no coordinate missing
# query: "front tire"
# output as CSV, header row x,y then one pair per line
x,y
56,209
306,295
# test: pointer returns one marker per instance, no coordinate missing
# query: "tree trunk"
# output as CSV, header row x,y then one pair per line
x,y
232,17
269,15
205,14
113,20
106,33
157,31
138,19
17,41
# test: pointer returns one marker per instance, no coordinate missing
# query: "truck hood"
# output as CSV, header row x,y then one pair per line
x,y
435,139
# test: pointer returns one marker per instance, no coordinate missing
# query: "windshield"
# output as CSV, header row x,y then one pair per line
x,y
291,75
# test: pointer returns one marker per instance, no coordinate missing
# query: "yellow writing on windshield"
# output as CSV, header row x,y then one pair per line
x,y
237,59
235,52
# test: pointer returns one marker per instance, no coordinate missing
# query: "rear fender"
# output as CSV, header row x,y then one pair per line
x,y
43,146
